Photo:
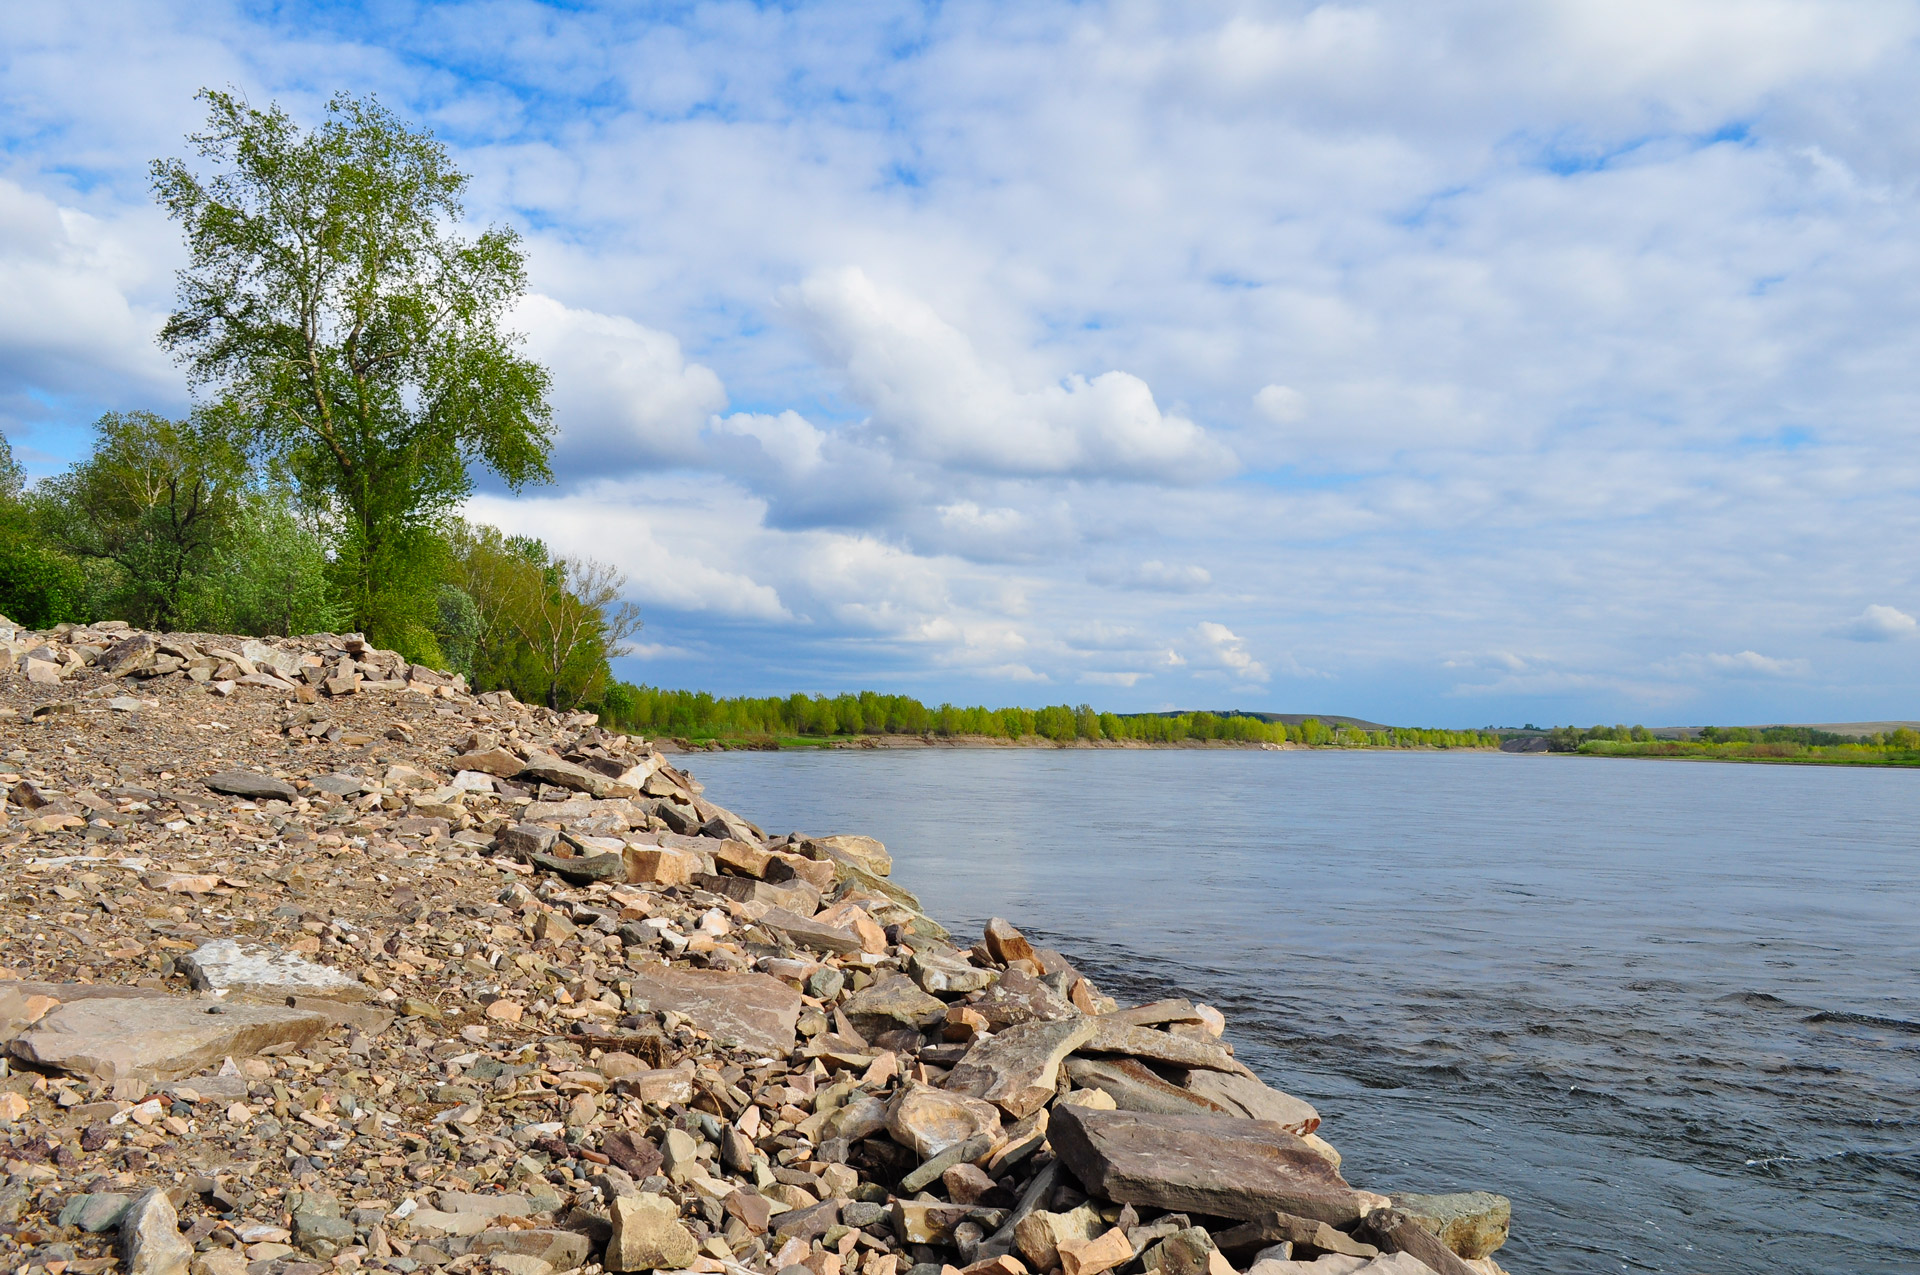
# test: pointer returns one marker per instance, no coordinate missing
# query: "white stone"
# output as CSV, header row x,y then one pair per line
x,y
224,965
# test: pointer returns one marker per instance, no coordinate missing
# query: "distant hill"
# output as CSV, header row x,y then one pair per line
x,y
1289,719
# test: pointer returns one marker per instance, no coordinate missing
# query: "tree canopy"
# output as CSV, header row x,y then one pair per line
x,y
330,299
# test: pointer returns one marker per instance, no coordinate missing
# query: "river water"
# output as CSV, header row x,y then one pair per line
x,y
1671,1009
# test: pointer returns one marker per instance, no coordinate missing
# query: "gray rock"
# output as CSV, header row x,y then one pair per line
x,y
1021,998
583,870
1471,1223
1019,1068
150,1239
161,1039
1144,1042
753,1010
894,1002
319,1235
1395,1232
130,655
944,972
806,933
1134,1086
247,783
524,840
223,965
825,983
1220,1165
95,1213
548,769
339,785
797,897
1185,1252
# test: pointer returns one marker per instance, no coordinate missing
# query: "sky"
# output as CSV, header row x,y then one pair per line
x,y
1438,363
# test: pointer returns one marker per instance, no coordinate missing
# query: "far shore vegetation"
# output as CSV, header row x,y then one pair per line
x,y
1787,745
816,721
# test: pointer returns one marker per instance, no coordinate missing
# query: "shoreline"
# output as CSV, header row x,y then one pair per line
x,y
318,962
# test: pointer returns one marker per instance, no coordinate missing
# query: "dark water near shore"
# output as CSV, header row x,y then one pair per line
x,y
1671,1009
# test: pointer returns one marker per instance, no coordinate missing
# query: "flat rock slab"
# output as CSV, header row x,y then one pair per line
x,y
754,1011
1156,1046
247,783
161,1039
809,933
1019,1068
1134,1086
1219,1165
1234,1091
251,970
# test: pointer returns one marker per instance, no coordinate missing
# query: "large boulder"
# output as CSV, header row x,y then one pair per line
x,y
1225,1166
164,1038
753,1011
223,965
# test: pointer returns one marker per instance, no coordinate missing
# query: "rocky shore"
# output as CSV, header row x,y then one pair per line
x,y
312,961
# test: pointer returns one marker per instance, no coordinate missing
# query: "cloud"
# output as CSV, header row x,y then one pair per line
x,y
1754,664
1155,574
79,312
623,394
1228,650
1878,624
1281,404
935,397
1112,678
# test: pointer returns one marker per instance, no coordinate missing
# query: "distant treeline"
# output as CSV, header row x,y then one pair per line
x,y
1744,743
697,715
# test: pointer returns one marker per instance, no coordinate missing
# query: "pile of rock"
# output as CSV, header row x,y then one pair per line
x,y
320,961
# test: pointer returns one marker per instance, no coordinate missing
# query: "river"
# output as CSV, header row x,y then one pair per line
x,y
1671,1009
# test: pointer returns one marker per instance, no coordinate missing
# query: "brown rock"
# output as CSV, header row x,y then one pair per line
x,y
1136,1087
647,1235
658,865
1019,1068
1220,1165
494,761
1090,1257
1247,1094
1007,944
160,1039
930,1120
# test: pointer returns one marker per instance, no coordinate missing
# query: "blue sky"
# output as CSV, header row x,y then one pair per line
x,y
1441,363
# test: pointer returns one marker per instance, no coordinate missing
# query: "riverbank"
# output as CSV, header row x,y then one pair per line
x,y
790,742
1766,754
318,962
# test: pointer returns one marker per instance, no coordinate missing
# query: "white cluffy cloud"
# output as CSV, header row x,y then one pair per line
x,y
934,396
1228,650
1879,624
1753,663
623,394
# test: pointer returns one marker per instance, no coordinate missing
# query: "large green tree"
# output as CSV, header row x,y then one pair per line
x,y
157,500
330,297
